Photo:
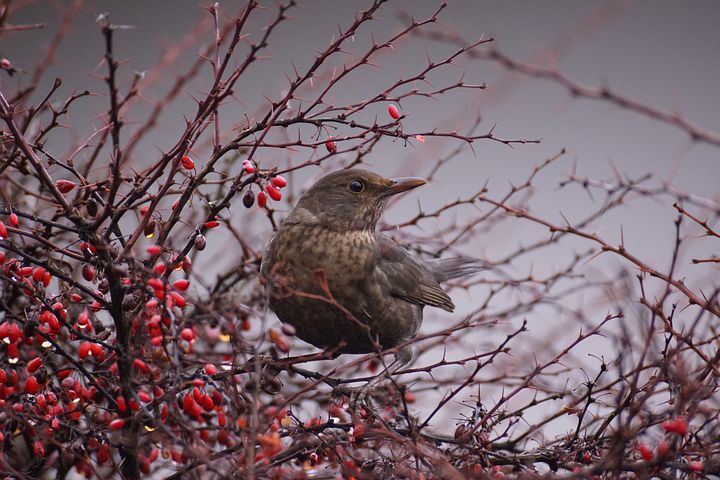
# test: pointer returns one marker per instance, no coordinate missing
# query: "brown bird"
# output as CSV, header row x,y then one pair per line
x,y
342,285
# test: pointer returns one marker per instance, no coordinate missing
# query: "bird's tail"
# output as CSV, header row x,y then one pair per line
x,y
456,267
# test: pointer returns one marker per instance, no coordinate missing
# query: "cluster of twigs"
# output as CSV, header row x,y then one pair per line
x,y
127,351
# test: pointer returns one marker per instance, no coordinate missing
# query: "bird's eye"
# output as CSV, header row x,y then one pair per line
x,y
356,186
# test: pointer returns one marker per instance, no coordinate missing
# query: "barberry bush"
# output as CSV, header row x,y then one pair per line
x,y
135,339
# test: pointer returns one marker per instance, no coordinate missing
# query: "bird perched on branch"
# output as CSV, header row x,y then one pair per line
x,y
342,285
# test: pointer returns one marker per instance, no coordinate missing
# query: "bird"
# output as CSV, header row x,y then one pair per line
x,y
342,285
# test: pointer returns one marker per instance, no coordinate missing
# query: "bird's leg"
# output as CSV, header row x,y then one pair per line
x,y
363,395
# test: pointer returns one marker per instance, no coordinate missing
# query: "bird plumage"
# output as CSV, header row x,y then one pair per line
x,y
342,285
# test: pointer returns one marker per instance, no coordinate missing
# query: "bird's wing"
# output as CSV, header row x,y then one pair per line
x,y
408,278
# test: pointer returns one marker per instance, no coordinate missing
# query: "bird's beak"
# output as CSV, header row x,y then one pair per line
x,y
400,185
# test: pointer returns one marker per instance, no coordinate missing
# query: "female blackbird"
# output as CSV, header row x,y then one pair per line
x,y
343,286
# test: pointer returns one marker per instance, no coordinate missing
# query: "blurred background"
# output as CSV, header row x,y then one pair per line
x,y
660,53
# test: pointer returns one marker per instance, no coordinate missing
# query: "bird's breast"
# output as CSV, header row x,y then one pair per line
x,y
307,253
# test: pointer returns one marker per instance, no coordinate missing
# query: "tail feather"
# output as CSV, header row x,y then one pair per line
x,y
455,267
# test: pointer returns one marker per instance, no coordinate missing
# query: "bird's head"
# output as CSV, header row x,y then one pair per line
x,y
349,199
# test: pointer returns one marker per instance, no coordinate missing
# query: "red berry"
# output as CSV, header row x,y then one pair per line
x,y
393,111
211,224
117,424
262,199
210,369
38,273
88,272
696,466
181,284
65,185
274,193
187,162
140,365
38,449
330,145
681,427
34,364
645,451
97,350
32,385
14,222
248,166
278,181
5,63
187,334
3,230
84,350
677,425
179,299
154,249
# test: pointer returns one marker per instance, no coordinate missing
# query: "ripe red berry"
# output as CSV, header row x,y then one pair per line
x,y
262,199
32,385
330,145
274,193
393,111
34,364
696,466
681,427
248,166
187,162
65,185
86,247
117,424
211,224
14,221
5,63
140,365
38,273
278,181
3,230
187,334
88,272
676,425
38,449
179,299
645,451
181,284
154,249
